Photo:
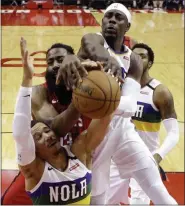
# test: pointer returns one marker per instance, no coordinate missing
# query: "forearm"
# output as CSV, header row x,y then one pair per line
x,y
172,138
92,47
96,132
128,102
25,147
65,121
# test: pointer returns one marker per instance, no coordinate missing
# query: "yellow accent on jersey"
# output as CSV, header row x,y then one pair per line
x,y
85,201
147,126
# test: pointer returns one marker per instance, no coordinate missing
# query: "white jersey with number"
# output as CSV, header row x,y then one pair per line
x,y
72,186
122,58
122,143
147,118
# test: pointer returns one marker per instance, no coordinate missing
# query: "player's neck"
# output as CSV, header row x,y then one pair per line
x,y
115,45
145,79
59,160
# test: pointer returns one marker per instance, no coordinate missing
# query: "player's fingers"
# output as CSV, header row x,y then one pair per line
x,y
81,68
106,66
100,66
26,58
61,76
75,81
23,46
121,80
69,78
75,76
82,71
109,71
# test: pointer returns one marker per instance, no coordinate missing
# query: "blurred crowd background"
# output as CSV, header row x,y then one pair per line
x,y
102,4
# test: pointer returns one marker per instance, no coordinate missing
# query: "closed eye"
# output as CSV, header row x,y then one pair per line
x,y
37,136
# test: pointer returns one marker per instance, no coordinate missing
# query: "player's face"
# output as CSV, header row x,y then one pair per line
x,y
45,139
114,24
54,58
143,53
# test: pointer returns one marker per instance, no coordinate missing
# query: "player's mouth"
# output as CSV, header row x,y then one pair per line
x,y
111,29
52,143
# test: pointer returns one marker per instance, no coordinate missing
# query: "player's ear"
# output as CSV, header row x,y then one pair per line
x,y
128,27
149,64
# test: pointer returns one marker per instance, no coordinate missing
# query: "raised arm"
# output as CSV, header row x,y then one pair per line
x,y
88,140
92,47
25,146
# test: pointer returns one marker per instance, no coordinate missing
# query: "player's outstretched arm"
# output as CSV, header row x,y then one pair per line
x,y
163,99
92,47
25,146
96,132
44,111
88,140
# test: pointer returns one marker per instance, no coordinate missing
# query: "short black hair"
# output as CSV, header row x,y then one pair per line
x,y
69,49
145,46
34,122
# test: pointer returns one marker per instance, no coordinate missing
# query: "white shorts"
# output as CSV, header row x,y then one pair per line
x,y
123,145
118,189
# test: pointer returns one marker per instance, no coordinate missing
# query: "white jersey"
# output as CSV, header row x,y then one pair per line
x,y
147,118
72,186
122,58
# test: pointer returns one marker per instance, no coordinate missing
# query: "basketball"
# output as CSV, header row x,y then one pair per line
x,y
97,96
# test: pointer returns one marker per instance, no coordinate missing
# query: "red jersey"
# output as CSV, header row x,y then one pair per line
x,y
81,125
127,41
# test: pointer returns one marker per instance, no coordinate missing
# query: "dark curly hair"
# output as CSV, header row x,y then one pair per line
x,y
34,122
145,46
69,49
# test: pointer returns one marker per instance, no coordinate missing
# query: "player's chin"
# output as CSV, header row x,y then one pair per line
x,y
56,147
110,34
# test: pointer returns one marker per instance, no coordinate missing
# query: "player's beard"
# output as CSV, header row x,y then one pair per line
x,y
64,96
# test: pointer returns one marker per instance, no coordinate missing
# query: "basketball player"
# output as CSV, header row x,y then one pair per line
x,y
49,101
122,143
105,47
53,174
155,104
106,162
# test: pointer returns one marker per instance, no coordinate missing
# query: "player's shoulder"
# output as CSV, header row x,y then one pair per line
x,y
39,94
93,37
136,63
162,93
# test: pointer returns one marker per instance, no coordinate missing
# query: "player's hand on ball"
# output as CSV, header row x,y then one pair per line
x,y
92,65
27,61
71,72
111,66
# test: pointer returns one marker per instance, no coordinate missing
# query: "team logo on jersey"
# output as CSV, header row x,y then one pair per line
x,y
146,93
126,58
50,168
74,167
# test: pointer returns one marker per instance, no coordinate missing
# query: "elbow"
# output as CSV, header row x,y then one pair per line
x,y
127,107
85,40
